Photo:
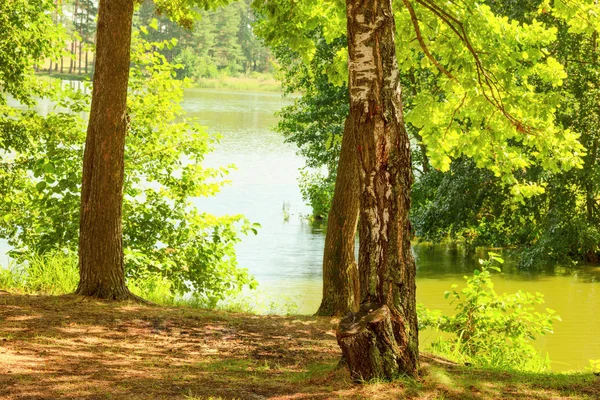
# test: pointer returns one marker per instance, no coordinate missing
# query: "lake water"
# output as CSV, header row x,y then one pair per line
x,y
285,257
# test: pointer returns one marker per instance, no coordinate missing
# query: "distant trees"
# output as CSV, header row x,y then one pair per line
x,y
78,18
27,36
221,42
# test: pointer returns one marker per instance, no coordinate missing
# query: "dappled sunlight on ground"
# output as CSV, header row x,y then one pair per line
x,y
68,347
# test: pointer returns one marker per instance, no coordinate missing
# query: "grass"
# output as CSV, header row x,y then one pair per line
x,y
53,274
59,347
258,83
66,76
72,347
56,273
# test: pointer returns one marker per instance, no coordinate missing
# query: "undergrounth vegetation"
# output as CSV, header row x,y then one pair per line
x,y
57,274
58,347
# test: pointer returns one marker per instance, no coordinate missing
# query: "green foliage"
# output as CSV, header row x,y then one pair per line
x,y
28,36
212,42
194,66
315,120
489,329
164,235
559,225
486,105
477,170
317,191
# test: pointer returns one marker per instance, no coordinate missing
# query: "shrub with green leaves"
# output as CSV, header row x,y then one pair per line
x,y
490,329
164,234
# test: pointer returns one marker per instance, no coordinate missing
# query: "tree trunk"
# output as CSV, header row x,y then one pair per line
x,y
72,60
381,340
80,42
87,21
340,272
94,55
100,240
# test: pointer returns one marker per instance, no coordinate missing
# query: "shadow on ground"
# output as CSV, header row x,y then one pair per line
x,y
68,347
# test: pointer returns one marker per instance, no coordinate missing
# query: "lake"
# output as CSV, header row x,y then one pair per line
x,y
285,257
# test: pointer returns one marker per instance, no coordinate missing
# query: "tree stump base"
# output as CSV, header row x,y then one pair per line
x,y
372,347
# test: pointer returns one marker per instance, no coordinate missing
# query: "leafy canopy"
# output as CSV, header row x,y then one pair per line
x,y
480,98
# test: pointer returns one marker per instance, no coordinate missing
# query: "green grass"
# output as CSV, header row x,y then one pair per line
x,y
258,83
56,273
52,274
65,76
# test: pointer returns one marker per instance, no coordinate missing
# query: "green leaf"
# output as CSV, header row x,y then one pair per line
x,y
40,186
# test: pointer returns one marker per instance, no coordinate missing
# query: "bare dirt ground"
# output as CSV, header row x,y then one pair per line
x,y
68,347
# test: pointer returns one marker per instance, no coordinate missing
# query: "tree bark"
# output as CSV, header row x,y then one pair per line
x,y
71,59
80,41
100,240
340,272
87,20
386,265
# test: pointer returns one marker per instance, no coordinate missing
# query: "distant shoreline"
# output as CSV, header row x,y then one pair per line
x,y
262,83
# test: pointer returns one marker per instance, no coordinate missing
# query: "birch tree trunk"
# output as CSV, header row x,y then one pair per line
x,y
100,240
381,340
340,271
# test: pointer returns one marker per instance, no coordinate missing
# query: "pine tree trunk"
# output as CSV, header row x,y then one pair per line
x,y
80,42
72,59
87,19
340,271
100,241
94,55
381,340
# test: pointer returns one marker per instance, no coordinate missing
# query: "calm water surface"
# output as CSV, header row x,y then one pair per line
x,y
285,257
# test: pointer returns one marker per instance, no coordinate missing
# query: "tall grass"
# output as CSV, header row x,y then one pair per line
x,y
56,273
52,274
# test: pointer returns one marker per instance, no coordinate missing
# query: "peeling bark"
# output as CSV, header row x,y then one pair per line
x,y
386,265
101,241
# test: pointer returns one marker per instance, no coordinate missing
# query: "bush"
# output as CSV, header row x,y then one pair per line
x,y
489,329
164,234
317,192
